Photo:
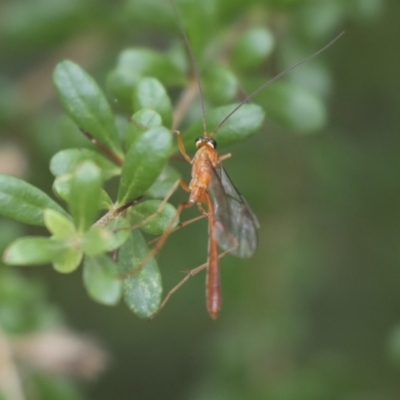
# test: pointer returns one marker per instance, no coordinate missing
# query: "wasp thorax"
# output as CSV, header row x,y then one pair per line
x,y
202,141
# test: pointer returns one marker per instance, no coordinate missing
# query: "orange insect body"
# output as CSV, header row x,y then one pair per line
x,y
231,224
205,160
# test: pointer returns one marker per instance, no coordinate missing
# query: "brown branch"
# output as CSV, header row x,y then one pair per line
x,y
103,148
115,212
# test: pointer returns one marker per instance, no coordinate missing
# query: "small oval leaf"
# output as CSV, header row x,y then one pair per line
x,y
142,121
68,261
161,187
220,84
105,201
160,222
253,48
101,240
150,93
86,104
23,202
293,107
142,291
135,64
62,189
84,197
33,250
66,161
120,227
144,163
246,121
58,225
100,277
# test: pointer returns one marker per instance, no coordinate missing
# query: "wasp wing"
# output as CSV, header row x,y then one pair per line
x,y
236,224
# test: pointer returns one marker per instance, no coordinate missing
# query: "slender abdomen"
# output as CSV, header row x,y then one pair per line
x,y
213,281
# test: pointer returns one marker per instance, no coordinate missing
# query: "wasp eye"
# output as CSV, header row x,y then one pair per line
x,y
198,141
213,143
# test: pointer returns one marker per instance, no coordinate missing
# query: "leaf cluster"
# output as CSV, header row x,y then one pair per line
x,y
134,156
111,248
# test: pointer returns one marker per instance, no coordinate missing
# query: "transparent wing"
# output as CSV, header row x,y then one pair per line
x,y
236,223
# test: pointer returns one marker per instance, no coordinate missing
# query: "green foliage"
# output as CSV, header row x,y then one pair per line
x,y
84,196
142,290
66,161
144,162
293,107
79,178
57,224
161,221
220,85
161,187
246,121
141,121
150,93
86,104
23,202
135,64
253,48
134,154
35,250
100,276
238,46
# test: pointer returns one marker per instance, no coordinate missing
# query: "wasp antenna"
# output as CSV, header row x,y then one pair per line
x,y
274,79
194,64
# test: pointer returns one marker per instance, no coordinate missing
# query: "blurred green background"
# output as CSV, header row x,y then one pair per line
x,y
315,314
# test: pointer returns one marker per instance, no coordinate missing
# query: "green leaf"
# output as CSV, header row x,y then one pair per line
x,y
253,48
66,161
105,201
135,64
60,226
220,85
293,107
144,163
62,188
68,261
160,188
246,121
34,250
84,196
100,277
120,227
23,202
102,240
142,121
10,230
159,223
150,93
86,104
142,291
319,20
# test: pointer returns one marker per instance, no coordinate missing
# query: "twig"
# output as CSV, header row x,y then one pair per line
x,y
103,148
115,212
